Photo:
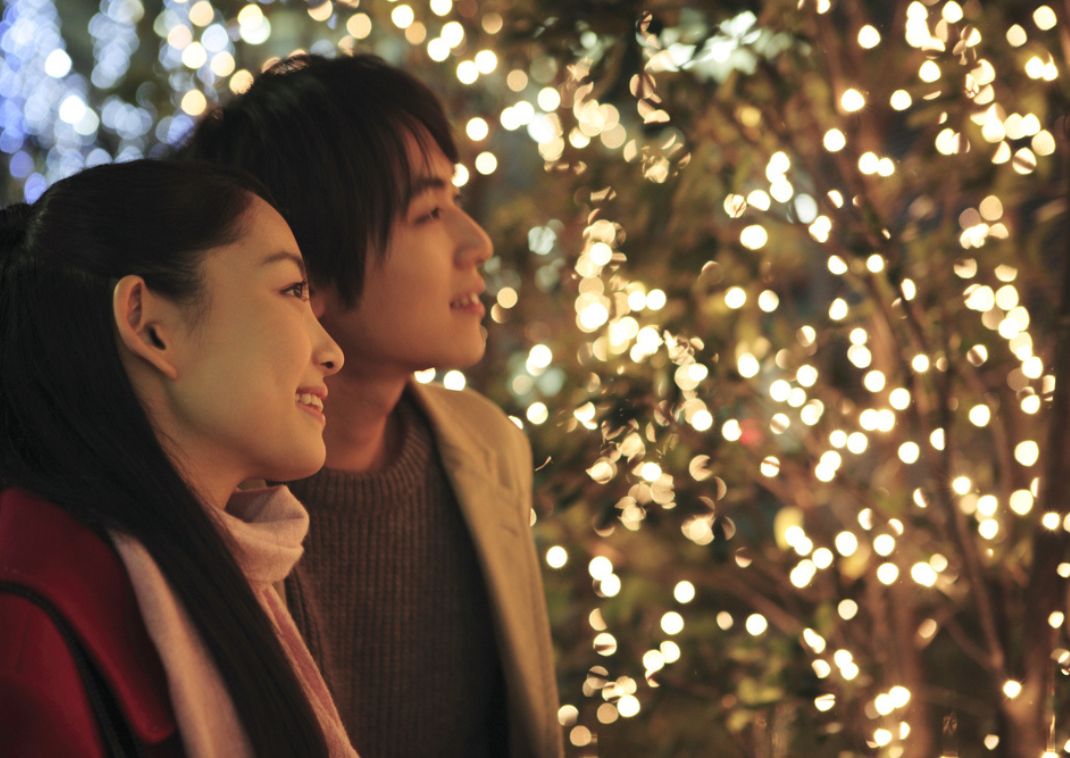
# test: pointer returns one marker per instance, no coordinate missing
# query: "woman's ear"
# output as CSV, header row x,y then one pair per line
x,y
145,323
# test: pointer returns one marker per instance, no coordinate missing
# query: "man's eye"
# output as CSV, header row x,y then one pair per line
x,y
298,290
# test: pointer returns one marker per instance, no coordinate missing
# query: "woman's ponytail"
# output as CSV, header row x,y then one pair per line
x,y
14,224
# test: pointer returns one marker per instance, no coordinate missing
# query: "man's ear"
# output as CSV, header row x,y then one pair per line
x,y
321,299
145,323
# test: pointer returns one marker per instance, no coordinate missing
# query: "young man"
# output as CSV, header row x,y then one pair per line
x,y
419,593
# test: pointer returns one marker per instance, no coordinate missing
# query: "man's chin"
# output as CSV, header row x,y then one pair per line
x,y
455,362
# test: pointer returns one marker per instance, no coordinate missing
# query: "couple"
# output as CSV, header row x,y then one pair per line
x,y
161,343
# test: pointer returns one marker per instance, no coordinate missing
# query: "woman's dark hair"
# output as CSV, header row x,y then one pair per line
x,y
73,431
327,136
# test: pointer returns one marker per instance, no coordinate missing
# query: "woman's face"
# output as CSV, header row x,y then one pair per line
x,y
251,361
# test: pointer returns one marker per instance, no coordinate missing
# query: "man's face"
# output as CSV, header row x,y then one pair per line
x,y
420,305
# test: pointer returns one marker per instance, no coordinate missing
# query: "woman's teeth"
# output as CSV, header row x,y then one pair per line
x,y
307,398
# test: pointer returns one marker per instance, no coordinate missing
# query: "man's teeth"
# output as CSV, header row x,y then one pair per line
x,y
465,300
307,398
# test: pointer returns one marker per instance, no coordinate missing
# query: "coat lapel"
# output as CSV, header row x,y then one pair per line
x,y
490,500
484,490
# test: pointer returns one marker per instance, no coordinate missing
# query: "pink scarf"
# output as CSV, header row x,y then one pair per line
x,y
267,526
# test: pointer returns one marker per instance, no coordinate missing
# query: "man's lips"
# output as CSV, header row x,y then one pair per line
x,y
465,300
468,303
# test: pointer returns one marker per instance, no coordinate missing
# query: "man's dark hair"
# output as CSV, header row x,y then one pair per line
x,y
327,137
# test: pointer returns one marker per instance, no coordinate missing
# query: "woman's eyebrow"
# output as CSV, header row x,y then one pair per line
x,y
285,255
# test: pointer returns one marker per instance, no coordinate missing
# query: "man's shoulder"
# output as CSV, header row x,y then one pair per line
x,y
468,412
464,406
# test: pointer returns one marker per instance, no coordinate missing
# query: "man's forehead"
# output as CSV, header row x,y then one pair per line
x,y
426,183
427,162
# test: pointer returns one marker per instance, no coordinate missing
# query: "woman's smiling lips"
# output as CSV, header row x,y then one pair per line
x,y
310,400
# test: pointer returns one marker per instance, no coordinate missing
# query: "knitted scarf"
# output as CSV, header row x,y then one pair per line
x,y
267,526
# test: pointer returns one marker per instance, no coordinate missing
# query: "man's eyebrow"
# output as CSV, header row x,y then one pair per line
x,y
285,255
422,184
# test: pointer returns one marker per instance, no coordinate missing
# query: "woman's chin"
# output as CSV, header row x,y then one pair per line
x,y
299,467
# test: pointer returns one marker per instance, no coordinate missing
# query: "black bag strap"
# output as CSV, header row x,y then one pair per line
x,y
115,732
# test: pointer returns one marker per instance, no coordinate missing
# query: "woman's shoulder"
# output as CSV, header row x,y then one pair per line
x,y
58,577
44,547
47,551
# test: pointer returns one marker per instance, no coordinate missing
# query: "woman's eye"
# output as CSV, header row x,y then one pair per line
x,y
298,290
433,215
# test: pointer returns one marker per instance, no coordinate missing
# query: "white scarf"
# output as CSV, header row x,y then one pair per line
x,y
268,526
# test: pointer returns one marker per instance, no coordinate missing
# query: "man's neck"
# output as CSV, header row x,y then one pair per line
x,y
363,433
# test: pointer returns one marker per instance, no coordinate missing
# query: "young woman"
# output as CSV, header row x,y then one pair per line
x,y
157,348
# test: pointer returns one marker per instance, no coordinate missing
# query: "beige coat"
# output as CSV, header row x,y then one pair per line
x,y
488,462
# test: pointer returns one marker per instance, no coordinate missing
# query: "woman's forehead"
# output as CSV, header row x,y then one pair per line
x,y
264,237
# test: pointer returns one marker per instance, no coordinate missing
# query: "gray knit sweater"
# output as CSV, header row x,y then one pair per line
x,y
391,600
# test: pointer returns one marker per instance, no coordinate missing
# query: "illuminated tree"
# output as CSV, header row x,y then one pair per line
x,y
780,300
841,391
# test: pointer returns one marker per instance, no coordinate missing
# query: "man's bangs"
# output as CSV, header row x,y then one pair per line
x,y
409,173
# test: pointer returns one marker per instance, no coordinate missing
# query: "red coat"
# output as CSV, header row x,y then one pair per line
x,y
44,709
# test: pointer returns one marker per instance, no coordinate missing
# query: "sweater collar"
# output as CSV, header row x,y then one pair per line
x,y
458,436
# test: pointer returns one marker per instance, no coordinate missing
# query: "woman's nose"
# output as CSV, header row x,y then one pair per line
x,y
328,354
